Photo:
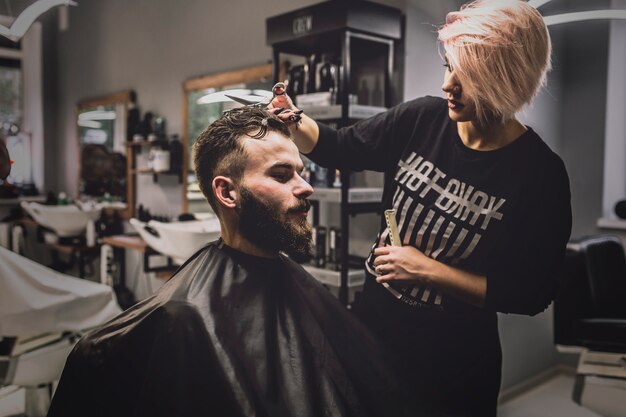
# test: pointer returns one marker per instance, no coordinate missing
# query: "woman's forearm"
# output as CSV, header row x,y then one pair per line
x,y
463,285
408,265
305,134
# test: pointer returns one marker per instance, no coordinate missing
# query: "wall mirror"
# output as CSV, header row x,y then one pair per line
x,y
103,174
197,116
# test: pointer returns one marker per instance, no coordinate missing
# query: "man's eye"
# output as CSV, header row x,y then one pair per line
x,y
281,177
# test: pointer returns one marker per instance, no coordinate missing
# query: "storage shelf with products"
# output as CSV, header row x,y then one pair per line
x,y
155,174
134,149
339,60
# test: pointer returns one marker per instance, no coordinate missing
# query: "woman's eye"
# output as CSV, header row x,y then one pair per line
x,y
448,66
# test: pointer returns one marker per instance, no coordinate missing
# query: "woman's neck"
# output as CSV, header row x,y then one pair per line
x,y
491,136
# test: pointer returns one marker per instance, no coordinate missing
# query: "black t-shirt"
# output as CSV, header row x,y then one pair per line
x,y
503,213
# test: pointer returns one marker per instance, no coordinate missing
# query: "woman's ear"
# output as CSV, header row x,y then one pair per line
x,y
224,191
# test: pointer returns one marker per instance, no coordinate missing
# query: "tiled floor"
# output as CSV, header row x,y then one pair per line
x,y
552,398
11,401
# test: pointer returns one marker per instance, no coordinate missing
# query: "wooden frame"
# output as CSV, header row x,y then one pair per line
x,y
122,97
111,99
241,76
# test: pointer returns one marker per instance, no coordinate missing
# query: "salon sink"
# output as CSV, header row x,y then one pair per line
x,y
178,240
69,220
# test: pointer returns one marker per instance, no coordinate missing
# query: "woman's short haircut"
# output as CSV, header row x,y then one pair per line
x,y
219,149
500,51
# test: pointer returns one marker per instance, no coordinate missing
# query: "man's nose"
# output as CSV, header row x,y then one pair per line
x,y
303,189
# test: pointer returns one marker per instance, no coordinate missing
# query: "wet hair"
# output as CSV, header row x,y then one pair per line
x,y
219,149
500,51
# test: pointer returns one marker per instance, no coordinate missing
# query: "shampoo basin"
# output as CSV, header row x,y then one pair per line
x,y
65,221
178,240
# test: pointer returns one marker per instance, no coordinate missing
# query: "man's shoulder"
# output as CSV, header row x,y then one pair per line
x,y
136,329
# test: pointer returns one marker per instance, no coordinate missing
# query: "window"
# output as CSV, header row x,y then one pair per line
x,y
21,106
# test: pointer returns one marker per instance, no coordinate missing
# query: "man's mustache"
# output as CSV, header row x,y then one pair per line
x,y
304,206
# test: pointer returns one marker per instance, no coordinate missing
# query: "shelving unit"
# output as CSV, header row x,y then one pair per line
x,y
362,37
133,149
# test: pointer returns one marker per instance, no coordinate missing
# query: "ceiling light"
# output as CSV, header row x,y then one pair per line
x,y
21,24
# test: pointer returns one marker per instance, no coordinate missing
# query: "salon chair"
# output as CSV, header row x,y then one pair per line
x,y
590,318
42,315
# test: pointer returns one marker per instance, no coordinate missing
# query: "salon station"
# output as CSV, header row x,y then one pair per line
x,y
102,101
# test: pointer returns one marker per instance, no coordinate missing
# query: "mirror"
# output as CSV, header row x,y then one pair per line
x,y
197,116
101,124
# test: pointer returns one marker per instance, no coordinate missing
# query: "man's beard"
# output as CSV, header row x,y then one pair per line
x,y
261,224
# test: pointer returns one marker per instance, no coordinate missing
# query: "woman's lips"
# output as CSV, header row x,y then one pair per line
x,y
454,105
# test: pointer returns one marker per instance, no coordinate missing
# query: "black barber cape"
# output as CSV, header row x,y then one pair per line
x,y
232,334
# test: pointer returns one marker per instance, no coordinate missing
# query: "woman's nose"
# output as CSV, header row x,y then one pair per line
x,y
451,86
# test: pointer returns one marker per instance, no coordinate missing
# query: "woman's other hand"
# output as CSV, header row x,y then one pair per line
x,y
404,264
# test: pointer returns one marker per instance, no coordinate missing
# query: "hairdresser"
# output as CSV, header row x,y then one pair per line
x,y
481,202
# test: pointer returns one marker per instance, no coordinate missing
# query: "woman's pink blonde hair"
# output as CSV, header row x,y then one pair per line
x,y
500,52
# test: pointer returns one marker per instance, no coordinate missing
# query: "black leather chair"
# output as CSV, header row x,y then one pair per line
x,y
590,309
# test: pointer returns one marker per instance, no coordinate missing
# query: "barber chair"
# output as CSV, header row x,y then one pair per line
x,y
33,365
42,315
590,318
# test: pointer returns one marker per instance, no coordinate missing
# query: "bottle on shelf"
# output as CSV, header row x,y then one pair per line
x,y
133,119
160,160
90,234
146,128
159,127
62,199
310,70
319,246
377,93
334,248
363,95
327,75
296,81
337,180
176,154
319,176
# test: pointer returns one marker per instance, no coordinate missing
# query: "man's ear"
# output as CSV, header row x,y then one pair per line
x,y
224,191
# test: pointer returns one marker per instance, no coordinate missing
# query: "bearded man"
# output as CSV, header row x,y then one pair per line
x,y
241,329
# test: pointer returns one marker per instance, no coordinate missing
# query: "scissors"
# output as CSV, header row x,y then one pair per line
x,y
249,97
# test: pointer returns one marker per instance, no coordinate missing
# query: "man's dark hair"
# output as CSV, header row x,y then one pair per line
x,y
219,150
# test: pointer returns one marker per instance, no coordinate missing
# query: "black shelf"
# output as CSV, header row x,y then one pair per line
x,y
363,38
133,149
155,174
